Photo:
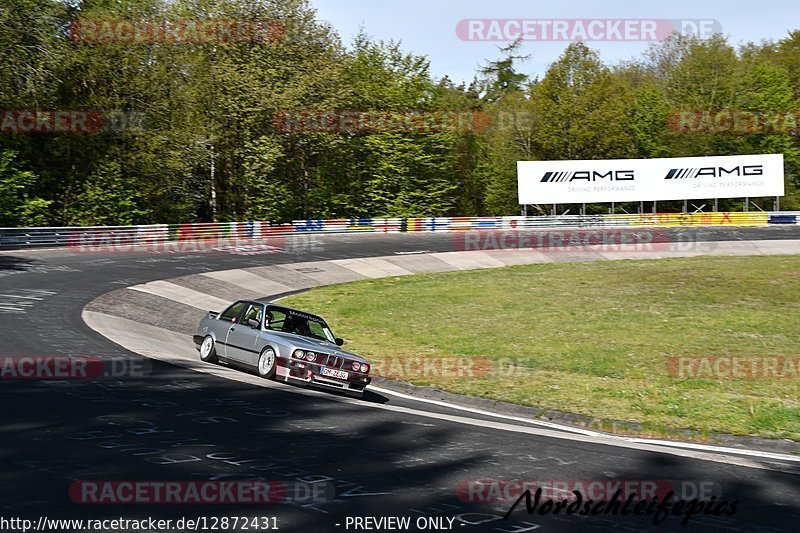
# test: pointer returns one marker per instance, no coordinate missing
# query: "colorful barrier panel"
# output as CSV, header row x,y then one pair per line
x,y
253,230
693,219
381,225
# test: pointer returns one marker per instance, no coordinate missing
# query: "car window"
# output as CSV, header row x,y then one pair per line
x,y
295,324
298,323
275,320
230,314
254,312
317,330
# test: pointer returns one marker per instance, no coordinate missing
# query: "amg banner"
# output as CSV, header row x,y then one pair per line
x,y
634,180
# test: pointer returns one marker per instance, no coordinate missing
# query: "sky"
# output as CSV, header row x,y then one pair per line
x,y
428,27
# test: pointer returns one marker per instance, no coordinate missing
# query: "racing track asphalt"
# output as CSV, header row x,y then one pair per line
x,y
177,424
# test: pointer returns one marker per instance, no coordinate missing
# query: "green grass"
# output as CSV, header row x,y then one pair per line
x,y
593,338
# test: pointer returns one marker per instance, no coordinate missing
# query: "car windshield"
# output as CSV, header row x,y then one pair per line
x,y
299,323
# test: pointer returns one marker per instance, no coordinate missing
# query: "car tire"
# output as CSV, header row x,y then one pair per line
x,y
208,350
267,363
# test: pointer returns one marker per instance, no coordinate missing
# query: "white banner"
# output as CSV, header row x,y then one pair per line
x,y
634,180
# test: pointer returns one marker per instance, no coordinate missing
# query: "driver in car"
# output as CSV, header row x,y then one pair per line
x,y
296,325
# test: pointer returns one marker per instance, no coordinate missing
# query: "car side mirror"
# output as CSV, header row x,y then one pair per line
x,y
253,323
339,341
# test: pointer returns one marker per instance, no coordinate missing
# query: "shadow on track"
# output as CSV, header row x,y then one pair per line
x,y
18,264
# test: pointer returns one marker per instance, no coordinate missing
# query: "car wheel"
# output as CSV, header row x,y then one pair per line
x,y
208,351
267,363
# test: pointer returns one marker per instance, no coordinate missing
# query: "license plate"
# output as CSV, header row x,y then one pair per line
x,y
338,374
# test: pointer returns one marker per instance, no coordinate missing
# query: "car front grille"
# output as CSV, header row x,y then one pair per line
x,y
333,361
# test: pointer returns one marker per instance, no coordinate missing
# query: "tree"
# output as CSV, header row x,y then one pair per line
x,y
267,194
649,120
18,207
219,100
584,111
107,199
500,77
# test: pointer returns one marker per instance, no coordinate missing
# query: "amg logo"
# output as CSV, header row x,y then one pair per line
x,y
714,172
588,175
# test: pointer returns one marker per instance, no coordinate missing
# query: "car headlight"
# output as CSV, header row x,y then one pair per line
x,y
356,366
311,356
299,354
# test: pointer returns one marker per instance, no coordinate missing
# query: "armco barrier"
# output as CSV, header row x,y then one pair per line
x,y
143,235
784,218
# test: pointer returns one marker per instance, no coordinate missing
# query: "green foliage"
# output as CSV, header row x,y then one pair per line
x,y
107,199
650,112
500,77
572,358
17,206
204,103
583,109
266,192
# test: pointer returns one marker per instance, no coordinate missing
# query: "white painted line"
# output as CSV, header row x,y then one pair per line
x,y
151,341
183,295
473,410
590,433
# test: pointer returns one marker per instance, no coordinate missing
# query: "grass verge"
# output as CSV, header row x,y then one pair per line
x,y
590,338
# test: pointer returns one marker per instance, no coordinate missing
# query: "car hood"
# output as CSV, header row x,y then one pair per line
x,y
315,345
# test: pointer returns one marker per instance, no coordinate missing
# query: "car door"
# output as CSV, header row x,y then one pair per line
x,y
227,319
240,344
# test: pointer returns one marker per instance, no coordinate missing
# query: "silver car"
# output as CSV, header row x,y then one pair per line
x,y
281,343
